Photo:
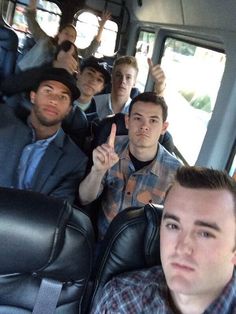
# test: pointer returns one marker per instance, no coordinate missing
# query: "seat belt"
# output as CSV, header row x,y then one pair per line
x,y
48,296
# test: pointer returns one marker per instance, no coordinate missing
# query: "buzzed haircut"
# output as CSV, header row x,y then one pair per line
x,y
153,98
206,178
129,60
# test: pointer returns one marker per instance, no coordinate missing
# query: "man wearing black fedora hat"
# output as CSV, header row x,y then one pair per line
x,y
35,153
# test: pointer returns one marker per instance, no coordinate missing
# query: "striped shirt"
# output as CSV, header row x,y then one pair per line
x,y
124,187
146,292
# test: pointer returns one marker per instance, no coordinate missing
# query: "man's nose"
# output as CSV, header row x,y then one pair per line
x,y
53,98
185,244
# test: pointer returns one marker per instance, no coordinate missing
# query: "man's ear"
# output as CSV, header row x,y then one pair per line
x,y
164,127
126,121
234,257
32,96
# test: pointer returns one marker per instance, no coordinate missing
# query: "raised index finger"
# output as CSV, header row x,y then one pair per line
x,y
111,138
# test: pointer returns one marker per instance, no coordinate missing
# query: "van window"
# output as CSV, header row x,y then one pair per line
x,y
48,16
193,76
87,27
144,50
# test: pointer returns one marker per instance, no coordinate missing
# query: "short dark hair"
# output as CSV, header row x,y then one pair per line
x,y
153,98
206,178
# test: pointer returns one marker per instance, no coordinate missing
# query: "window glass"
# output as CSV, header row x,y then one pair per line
x,y
48,16
232,171
193,76
144,50
87,28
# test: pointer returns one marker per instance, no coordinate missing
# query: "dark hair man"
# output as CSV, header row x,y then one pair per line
x,y
198,253
135,171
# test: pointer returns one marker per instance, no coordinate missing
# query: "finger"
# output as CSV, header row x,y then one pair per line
x,y
71,50
150,63
111,138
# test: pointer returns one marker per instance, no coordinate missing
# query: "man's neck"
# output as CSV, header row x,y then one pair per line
x,y
193,304
143,153
118,102
84,99
43,132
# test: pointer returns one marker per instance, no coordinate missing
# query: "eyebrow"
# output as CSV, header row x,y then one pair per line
x,y
206,224
140,115
96,71
51,86
201,223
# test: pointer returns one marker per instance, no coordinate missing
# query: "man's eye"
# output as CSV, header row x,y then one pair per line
x,y
47,91
206,234
64,98
153,121
171,226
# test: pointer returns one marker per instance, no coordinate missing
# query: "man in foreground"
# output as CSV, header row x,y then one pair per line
x,y
35,153
137,169
198,253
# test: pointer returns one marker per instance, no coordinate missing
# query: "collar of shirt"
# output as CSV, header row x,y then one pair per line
x,y
83,107
226,303
153,167
43,142
125,108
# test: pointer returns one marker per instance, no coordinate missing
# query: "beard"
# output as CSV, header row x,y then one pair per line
x,y
45,120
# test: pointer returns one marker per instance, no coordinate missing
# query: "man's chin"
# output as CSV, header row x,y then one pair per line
x,y
49,122
179,284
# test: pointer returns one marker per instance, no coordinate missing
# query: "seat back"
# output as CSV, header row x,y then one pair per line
x,y
131,243
8,51
42,238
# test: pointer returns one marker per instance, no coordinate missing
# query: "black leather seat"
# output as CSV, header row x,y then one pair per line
x,y
8,51
42,239
131,242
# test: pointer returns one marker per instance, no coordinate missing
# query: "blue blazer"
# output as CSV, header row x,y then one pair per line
x,y
61,168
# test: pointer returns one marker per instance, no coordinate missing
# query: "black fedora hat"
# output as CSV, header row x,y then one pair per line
x,y
62,76
99,65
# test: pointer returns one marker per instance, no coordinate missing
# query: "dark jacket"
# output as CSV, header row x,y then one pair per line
x,y
61,168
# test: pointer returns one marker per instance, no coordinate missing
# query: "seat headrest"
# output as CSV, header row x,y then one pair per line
x,y
132,240
8,38
36,231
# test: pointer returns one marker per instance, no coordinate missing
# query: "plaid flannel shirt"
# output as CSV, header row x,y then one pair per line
x,y
123,187
146,292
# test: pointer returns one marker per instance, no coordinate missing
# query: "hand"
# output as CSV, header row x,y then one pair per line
x,y
158,76
32,5
104,156
106,15
66,61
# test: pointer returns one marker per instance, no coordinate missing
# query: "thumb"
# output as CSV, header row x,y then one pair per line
x,y
150,63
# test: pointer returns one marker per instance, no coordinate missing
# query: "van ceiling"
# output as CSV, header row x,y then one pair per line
x,y
200,13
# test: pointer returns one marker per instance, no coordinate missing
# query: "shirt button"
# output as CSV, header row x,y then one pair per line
x,y
128,193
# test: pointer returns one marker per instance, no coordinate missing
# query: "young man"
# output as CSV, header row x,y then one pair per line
x,y
94,75
35,153
198,253
136,171
91,79
124,74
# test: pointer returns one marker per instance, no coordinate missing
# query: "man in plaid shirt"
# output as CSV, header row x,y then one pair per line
x,y
198,253
135,171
